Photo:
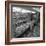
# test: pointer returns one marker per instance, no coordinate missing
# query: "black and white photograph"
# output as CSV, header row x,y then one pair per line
x,y
25,21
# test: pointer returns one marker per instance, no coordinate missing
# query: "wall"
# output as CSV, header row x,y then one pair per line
x,y
2,24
